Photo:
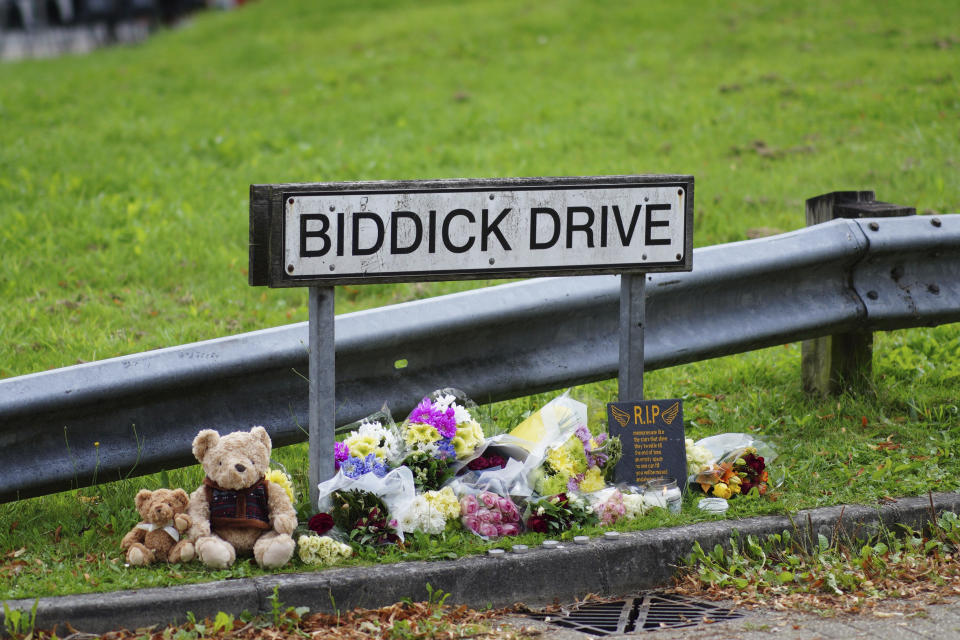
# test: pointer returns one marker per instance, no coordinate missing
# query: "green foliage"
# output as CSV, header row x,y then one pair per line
x,y
804,563
20,624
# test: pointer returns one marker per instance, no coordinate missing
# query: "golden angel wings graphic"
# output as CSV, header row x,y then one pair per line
x,y
621,416
671,412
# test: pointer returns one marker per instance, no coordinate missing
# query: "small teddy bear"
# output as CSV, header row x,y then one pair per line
x,y
157,537
236,509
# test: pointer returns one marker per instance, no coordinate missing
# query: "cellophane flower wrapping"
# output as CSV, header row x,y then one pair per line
x,y
737,466
395,489
374,443
489,515
441,430
322,550
558,513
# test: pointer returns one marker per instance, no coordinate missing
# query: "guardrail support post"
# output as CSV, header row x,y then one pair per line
x,y
322,403
836,363
632,319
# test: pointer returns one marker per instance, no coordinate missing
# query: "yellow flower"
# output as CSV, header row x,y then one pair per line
x,y
592,480
276,476
444,501
469,436
418,433
722,490
734,484
562,462
363,445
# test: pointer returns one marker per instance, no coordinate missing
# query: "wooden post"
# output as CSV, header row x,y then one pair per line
x,y
843,362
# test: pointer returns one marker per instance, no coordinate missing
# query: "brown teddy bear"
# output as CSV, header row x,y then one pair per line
x,y
237,510
157,537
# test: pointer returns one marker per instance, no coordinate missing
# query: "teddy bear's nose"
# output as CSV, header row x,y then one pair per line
x,y
240,468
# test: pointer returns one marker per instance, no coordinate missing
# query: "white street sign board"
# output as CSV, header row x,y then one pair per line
x,y
375,232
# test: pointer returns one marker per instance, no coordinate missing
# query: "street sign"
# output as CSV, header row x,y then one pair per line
x,y
354,233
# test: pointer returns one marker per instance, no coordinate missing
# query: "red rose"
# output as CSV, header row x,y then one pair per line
x,y
320,523
537,524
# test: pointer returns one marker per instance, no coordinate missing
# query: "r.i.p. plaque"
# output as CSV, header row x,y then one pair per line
x,y
653,440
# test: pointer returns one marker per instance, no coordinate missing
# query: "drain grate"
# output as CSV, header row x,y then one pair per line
x,y
647,612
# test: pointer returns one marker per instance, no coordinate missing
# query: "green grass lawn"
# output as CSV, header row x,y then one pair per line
x,y
124,181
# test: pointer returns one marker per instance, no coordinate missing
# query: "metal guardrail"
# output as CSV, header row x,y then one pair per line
x,y
137,414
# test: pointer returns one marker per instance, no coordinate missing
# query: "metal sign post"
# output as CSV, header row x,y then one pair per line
x,y
632,316
326,234
322,384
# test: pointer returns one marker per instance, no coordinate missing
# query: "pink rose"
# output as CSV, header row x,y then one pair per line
x,y
485,515
504,503
489,499
468,505
488,530
496,517
511,514
471,522
509,530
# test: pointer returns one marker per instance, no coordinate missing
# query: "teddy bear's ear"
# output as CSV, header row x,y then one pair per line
x,y
142,496
261,434
205,439
181,496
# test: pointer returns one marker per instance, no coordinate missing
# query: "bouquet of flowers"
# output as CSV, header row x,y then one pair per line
x,y
376,436
322,550
489,515
738,465
581,463
364,508
438,432
363,517
430,511
559,513
612,505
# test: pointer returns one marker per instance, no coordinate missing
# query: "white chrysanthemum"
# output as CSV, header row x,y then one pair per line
x,y
444,401
634,505
388,445
423,516
461,414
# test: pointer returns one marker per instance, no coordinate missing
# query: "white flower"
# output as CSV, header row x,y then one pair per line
x,y
322,550
444,401
539,511
699,458
423,516
634,505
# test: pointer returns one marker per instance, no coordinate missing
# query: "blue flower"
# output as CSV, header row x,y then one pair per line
x,y
445,450
354,467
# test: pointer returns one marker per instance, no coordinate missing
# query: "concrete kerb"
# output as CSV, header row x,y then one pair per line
x,y
635,561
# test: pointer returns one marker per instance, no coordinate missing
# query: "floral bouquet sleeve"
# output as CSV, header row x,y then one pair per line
x,y
374,444
558,513
736,465
581,463
441,430
365,509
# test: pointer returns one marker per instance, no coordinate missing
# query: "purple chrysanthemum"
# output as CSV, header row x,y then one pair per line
x,y
341,452
443,420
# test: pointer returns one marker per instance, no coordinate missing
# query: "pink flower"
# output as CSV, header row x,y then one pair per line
x,y
504,503
511,514
471,522
496,517
489,530
468,505
509,530
489,499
